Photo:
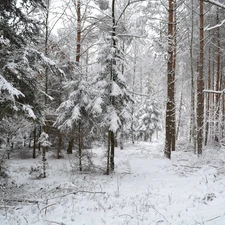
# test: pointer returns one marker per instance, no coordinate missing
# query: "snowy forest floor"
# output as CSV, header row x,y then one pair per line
x,y
144,189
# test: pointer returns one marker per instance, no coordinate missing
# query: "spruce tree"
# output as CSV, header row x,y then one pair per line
x,y
21,63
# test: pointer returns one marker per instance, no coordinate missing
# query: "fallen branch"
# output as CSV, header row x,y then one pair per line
x,y
21,200
194,167
47,206
60,223
76,192
6,206
213,218
126,215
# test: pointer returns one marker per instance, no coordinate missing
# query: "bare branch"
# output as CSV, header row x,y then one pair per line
x,y
215,3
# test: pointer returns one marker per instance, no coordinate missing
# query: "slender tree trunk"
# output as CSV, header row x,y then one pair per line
x,y
35,141
44,161
208,100
179,117
213,106
133,89
59,145
218,79
70,146
112,78
193,116
173,142
108,152
78,31
80,146
78,48
170,77
39,145
46,48
112,153
200,84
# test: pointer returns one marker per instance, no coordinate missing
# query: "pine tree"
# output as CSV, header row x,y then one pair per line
x,y
116,99
77,113
21,63
147,119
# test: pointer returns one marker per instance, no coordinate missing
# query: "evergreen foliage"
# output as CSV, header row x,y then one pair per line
x,y
21,63
147,119
112,83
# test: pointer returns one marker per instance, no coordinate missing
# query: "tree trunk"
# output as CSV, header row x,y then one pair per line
x,y
80,146
218,79
44,161
59,145
78,47
112,153
208,101
108,152
70,146
179,117
35,141
173,142
112,78
78,32
200,84
170,81
46,47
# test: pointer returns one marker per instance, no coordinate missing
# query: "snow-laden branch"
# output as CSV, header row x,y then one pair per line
x,y
216,26
215,3
215,92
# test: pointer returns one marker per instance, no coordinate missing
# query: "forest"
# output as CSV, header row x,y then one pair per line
x,y
112,112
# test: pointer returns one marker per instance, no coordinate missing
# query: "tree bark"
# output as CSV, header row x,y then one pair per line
x,y
78,48
208,99
80,146
112,78
70,146
173,142
35,141
193,114
218,79
108,152
78,32
59,145
112,153
200,83
170,81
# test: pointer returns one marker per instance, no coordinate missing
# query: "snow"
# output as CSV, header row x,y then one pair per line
x,y
96,105
29,111
145,189
217,3
6,86
116,90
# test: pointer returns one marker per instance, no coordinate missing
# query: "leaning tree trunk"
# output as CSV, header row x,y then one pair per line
x,y
170,83
200,84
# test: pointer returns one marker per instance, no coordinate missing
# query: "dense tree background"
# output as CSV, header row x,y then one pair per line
x,y
99,72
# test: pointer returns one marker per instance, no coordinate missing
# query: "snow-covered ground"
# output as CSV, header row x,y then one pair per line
x,y
145,189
